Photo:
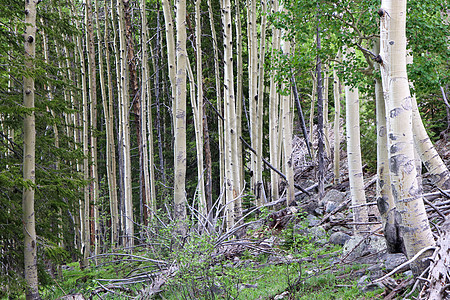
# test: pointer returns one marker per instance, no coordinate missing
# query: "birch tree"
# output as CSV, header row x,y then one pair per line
x,y
286,128
336,128
273,112
146,123
199,104
107,101
355,172
414,225
29,149
93,124
180,115
124,134
385,199
231,159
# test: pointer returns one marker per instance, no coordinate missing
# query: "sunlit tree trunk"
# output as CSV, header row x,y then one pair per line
x,y
93,126
355,173
199,127
326,130
385,199
146,124
336,128
286,132
107,100
231,159
170,40
29,149
124,104
180,115
414,225
252,44
239,91
273,113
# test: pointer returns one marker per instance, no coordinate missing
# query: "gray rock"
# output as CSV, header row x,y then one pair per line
x,y
376,271
358,247
317,232
339,238
312,220
393,260
333,195
330,206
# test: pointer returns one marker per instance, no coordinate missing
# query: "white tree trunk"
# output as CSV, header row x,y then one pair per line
x,y
355,172
407,193
385,199
170,40
231,159
259,186
337,131
128,224
29,149
111,147
199,127
180,116
287,132
273,113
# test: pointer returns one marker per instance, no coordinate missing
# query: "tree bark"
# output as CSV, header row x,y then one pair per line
x,y
273,112
385,199
180,116
337,125
259,186
124,104
414,225
355,172
200,141
233,203
29,149
287,131
109,124
93,126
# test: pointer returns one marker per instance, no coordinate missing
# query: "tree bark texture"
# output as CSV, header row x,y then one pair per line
x,y
29,149
180,115
385,199
414,225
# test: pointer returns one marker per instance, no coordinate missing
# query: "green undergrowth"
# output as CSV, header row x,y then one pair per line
x,y
295,266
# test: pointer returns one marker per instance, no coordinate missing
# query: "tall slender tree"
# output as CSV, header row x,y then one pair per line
x,y
180,115
414,225
355,171
124,104
29,149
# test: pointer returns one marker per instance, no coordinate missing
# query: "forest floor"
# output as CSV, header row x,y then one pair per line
x,y
304,251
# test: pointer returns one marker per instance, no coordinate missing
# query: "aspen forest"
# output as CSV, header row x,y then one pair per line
x,y
224,149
